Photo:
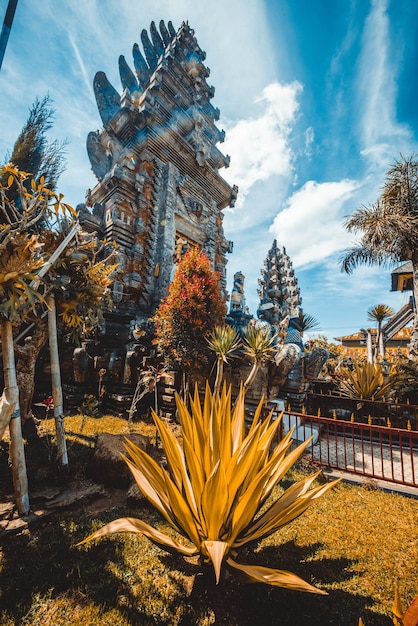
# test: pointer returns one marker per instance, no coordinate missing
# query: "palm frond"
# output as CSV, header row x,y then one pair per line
x,y
362,255
379,312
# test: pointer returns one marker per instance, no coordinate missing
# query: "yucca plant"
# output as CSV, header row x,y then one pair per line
x,y
259,344
365,381
215,485
225,342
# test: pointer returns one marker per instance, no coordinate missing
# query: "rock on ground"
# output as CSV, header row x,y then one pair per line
x,y
107,465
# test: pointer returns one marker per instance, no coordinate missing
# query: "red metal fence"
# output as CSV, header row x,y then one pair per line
x,y
380,413
379,452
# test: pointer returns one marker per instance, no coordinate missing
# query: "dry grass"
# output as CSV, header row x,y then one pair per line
x,y
82,426
354,543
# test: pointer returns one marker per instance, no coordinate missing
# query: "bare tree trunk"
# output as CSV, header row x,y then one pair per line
x,y
381,342
10,396
56,384
27,356
219,375
413,344
8,402
17,452
251,376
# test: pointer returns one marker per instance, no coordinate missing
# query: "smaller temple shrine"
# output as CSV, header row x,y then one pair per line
x,y
293,368
278,288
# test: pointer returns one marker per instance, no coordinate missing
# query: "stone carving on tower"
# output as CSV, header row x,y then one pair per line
x,y
278,288
157,164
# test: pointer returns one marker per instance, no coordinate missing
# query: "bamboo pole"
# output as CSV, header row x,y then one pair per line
x,y
6,28
56,383
17,452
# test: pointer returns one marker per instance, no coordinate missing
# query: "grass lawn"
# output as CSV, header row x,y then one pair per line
x,y
354,543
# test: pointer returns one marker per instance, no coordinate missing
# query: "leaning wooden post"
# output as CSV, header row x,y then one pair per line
x,y
56,383
17,451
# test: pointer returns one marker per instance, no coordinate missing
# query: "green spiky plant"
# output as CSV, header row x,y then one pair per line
x,y
225,342
260,345
365,381
215,485
307,322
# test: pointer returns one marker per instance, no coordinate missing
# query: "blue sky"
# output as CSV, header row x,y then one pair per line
x,y
317,99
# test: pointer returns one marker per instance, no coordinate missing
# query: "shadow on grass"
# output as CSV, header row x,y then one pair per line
x,y
49,565
41,464
146,586
232,603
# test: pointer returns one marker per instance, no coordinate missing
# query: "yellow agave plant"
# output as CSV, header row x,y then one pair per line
x,y
365,381
215,484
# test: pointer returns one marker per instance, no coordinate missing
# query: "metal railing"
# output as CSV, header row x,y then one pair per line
x,y
379,413
378,452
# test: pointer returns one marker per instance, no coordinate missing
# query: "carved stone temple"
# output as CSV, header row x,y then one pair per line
x,y
278,288
159,190
157,163
293,369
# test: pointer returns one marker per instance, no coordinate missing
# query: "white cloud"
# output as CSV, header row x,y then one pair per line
x,y
310,225
259,146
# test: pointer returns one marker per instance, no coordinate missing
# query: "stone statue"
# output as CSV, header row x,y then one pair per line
x,y
294,368
107,98
97,154
82,363
237,294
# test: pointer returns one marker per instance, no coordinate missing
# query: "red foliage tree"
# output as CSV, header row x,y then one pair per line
x,y
189,312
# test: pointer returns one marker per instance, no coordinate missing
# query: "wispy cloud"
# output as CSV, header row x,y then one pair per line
x,y
309,141
259,146
310,225
382,134
85,75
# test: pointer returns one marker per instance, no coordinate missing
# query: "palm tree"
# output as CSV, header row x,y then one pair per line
x,y
389,228
378,313
225,342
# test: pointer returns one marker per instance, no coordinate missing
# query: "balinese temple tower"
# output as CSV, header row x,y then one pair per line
x,y
278,288
157,163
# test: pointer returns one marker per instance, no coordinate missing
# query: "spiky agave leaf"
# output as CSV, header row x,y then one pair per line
x,y
132,525
275,577
216,483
